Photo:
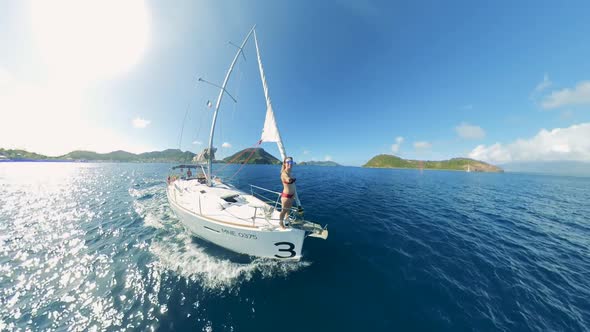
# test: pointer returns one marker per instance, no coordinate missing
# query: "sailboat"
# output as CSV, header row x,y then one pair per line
x,y
246,223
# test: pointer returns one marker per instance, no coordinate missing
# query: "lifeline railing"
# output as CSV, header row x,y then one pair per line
x,y
275,203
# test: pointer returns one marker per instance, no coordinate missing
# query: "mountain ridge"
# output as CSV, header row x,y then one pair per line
x,y
457,164
252,156
168,155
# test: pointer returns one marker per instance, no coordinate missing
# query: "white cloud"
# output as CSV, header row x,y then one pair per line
x,y
467,131
422,145
197,143
226,145
544,84
572,143
494,153
398,142
328,158
576,96
306,152
140,123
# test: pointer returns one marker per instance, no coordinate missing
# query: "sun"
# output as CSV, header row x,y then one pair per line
x,y
90,39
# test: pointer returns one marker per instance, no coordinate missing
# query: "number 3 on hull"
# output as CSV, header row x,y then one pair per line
x,y
289,249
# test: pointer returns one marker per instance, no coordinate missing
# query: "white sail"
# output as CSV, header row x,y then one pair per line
x,y
270,131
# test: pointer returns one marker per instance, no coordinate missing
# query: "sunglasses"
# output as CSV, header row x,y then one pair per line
x,y
290,162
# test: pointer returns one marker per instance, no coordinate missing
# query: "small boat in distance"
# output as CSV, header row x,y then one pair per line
x,y
246,223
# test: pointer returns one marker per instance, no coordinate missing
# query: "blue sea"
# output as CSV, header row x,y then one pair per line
x,y
96,247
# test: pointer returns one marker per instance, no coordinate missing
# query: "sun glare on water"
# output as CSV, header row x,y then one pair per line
x,y
90,39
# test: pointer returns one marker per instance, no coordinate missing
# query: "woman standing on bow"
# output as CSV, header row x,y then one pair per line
x,y
288,194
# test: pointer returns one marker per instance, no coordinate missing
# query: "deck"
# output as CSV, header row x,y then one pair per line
x,y
224,204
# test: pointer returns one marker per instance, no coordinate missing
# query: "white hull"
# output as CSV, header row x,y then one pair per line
x,y
261,240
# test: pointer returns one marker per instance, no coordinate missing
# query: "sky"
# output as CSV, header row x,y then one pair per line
x,y
498,81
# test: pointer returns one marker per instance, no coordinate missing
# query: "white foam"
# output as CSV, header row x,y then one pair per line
x,y
152,221
151,210
138,193
186,258
134,193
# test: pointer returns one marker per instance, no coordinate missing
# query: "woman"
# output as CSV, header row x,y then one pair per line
x,y
288,194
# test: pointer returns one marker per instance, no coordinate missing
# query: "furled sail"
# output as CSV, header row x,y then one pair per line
x,y
203,156
270,131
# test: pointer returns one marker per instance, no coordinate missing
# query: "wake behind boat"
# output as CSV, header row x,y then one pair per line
x,y
246,223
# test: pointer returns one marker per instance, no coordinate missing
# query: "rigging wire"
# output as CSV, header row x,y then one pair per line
x,y
244,163
241,72
222,133
236,158
201,121
188,107
182,128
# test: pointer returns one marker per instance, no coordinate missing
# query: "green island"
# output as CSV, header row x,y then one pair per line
x,y
249,156
252,156
456,164
260,156
169,155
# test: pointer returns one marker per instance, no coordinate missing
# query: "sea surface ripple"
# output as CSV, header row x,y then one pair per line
x,y
96,247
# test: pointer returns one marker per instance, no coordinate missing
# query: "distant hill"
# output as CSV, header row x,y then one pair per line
x,y
21,154
111,156
458,164
259,156
169,155
318,163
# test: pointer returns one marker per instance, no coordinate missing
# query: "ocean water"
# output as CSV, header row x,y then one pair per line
x,y
96,247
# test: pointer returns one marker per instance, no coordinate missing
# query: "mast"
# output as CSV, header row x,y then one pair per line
x,y
221,91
